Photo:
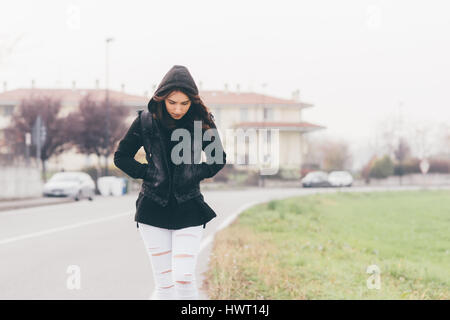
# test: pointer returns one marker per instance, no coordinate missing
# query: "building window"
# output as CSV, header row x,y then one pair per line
x,y
244,114
6,110
268,114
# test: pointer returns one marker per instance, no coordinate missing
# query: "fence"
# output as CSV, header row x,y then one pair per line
x,y
20,182
430,179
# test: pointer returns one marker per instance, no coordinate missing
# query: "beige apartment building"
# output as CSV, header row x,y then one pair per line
x,y
232,111
249,110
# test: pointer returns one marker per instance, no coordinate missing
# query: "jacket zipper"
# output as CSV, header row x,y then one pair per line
x,y
164,146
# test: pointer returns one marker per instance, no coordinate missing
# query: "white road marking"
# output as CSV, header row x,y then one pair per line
x,y
67,227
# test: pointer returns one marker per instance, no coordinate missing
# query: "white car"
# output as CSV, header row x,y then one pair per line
x,y
73,184
340,179
111,186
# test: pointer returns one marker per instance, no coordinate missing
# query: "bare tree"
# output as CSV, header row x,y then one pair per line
x,y
422,141
336,155
386,136
328,154
401,153
313,156
443,143
443,139
23,120
87,127
365,171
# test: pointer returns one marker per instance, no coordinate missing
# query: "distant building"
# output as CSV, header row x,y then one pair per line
x,y
248,110
232,110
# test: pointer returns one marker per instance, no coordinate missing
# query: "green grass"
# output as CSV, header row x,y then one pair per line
x,y
319,247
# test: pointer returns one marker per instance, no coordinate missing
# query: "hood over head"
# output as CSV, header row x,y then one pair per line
x,y
177,76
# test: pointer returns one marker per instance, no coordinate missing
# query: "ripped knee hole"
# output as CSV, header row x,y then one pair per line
x,y
167,287
160,253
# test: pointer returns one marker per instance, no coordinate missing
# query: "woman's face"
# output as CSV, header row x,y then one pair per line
x,y
177,104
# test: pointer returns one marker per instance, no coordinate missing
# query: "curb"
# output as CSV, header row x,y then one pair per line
x,y
35,202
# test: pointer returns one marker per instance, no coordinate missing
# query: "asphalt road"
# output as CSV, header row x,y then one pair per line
x,y
93,250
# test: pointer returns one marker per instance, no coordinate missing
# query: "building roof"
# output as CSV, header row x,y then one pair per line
x,y
296,126
210,97
245,98
73,95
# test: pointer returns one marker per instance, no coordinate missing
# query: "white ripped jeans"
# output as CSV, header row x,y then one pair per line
x,y
173,256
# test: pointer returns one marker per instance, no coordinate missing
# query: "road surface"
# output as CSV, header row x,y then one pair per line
x,y
93,250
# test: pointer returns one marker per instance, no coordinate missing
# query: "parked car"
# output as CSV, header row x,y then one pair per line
x,y
111,186
315,179
73,184
340,179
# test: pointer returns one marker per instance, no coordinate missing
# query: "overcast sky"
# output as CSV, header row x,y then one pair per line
x,y
356,61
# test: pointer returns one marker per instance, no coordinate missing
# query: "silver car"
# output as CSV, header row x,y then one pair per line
x,y
73,184
315,179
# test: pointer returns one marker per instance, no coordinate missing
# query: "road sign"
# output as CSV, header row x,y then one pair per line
x,y
43,133
27,139
39,132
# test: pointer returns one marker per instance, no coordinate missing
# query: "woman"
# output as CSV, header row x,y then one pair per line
x,y
170,210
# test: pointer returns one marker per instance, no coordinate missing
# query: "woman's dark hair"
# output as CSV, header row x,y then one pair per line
x,y
197,110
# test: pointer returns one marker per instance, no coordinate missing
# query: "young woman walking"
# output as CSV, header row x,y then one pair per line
x,y
170,210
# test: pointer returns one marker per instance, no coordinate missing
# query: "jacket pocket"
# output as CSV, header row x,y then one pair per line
x,y
188,177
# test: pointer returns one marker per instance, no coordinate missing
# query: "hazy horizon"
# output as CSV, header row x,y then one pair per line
x,y
356,61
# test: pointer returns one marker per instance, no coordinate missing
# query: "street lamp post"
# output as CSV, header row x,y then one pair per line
x,y
27,147
108,40
265,114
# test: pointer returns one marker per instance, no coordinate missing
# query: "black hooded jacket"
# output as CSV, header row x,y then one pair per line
x,y
159,182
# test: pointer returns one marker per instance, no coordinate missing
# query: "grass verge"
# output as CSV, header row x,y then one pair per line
x,y
320,246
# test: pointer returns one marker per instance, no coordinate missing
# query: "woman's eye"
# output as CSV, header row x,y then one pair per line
x,y
184,103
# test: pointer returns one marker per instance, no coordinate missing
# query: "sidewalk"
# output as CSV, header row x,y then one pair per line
x,y
32,202
11,204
